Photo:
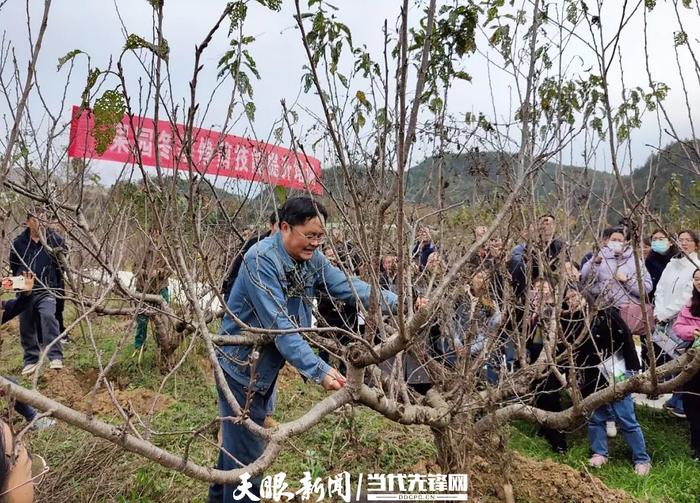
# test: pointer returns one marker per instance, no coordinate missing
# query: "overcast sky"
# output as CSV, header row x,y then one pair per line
x,y
94,26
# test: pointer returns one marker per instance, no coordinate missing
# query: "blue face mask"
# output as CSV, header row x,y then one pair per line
x,y
660,246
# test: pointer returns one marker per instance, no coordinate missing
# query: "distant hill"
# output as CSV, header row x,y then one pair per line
x,y
680,159
472,176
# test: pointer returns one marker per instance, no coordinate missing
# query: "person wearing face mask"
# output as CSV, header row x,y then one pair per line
x,y
611,276
604,237
662,251
673,291
675,285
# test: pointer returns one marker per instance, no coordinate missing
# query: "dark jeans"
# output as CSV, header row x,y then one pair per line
x,y
38,327
691,401
238,441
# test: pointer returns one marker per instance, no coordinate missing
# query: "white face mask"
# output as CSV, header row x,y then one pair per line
x,y
615,246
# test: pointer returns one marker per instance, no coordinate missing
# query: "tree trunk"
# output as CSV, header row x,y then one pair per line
x,y
485,459
167,339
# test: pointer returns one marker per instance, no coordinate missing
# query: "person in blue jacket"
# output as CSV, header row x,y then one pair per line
x,y
278,280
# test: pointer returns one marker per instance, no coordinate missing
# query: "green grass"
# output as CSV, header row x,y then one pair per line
x,y
675,477
354,440
357,440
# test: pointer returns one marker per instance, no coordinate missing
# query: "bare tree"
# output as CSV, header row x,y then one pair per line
x,y
374,114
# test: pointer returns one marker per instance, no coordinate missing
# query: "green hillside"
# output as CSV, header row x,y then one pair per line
x,y
473,176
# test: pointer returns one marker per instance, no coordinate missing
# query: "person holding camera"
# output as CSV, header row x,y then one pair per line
x,y
38,326
8,310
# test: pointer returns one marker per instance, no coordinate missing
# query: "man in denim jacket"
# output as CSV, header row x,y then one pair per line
x,y
277,283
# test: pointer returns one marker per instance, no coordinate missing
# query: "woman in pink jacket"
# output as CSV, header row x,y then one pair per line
x,y
687,327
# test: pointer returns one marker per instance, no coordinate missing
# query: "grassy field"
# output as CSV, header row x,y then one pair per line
x,y
354,439
675,477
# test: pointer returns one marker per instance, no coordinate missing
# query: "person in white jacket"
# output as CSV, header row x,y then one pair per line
x,y
672,293
676,284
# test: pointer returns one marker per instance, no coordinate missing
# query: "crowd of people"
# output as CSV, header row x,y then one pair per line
x,y
291,275
294,276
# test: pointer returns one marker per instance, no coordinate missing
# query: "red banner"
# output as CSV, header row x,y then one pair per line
x,y
212,153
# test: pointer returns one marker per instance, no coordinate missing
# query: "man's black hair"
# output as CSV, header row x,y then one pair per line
x,y
547,215
612,230
299,210
659,230
272,219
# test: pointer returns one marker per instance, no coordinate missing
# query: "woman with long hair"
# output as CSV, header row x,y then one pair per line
x,y
687,327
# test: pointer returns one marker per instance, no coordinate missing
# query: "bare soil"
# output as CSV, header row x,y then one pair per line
x,y
73,388
535,481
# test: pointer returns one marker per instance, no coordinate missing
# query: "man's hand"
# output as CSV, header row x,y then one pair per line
x,y
28,281
333,380
599,259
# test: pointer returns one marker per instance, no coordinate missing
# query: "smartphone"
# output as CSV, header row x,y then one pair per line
x,y
17,282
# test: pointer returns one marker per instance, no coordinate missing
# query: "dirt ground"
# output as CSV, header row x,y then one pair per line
x,y
73,387
536,481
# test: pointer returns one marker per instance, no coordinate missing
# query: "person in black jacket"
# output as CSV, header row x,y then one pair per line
x,y
526,259
606,354
606,335
236,265
423,248
38,325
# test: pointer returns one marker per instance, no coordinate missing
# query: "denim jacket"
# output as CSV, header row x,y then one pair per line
x,y
274,291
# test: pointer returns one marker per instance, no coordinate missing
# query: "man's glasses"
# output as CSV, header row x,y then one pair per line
x,y
312,237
